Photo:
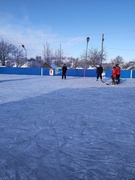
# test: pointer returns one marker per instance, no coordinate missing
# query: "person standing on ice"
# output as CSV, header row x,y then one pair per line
x,y
117,74
113,75
64,70
99,72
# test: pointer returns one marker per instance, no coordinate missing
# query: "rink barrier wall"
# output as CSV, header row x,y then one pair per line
x,y
46,71
124,73
58,72
76,72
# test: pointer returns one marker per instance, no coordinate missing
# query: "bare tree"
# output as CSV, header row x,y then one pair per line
x,y
9,53
5,51
17,55
47,53
39,60
59,56
94,57
117,60
74,62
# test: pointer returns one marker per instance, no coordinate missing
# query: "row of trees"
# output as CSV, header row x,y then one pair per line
x,y
10,55
9,52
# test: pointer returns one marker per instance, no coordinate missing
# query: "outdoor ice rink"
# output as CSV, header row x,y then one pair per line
x,y
73,129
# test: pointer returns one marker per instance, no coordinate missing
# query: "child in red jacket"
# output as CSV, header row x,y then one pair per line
x,y
113,75
117,74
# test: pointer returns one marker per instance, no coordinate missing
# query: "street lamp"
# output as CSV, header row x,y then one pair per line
x,y
25,51
87,41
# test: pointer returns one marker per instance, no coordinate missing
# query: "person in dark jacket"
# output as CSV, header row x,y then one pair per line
x,y
99,72
64,70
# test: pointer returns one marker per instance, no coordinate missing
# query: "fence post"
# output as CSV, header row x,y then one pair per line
x,y
41,71
131,74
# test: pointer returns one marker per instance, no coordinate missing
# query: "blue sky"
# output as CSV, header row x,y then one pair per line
x,y
69,22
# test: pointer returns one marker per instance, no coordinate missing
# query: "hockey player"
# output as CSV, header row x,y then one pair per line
x,y
99,72
117,74
64,70
113,75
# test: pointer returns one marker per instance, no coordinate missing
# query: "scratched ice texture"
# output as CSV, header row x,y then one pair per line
x,y
73,129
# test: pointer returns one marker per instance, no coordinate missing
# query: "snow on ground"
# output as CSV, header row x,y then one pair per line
x,y
73,129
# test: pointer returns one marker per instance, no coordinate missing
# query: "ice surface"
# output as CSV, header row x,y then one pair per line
x,y
73,129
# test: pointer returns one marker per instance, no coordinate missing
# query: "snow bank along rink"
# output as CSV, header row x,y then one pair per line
x,y
73,129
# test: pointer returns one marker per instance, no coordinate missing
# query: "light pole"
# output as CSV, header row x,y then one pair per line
x,y
87,41
25,51
102,48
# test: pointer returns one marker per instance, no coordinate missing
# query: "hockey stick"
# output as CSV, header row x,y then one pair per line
x,y
102,81
109,83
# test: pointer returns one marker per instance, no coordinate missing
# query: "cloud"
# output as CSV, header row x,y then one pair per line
x,y
22,31
75,40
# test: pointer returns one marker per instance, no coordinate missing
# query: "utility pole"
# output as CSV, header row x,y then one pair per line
x,y
102,48
87,41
